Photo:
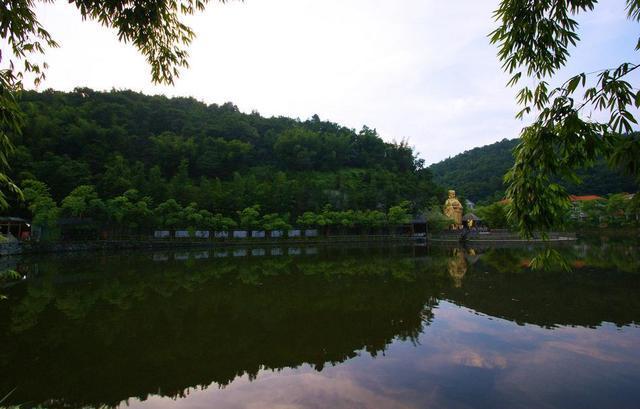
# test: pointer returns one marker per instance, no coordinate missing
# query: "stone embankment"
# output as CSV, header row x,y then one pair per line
x,y
9,245
153,244
9,248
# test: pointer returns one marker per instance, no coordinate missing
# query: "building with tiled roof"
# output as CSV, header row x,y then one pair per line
x,y
585,198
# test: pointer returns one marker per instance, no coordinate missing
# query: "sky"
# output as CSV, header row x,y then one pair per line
x,y
420,70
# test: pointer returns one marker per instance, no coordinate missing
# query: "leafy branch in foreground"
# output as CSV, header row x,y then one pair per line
x,y
533,41
550,259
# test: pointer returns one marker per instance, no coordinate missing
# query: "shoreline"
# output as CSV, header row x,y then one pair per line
x,y
494,238
115,245
498,239
515,241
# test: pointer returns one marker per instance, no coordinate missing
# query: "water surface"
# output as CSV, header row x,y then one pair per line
x,y
315,327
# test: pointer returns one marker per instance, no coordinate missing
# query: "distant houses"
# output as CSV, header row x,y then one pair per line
x,y
616,210
586,198
580,212
613,210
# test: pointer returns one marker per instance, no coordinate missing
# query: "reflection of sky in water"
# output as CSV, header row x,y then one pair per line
x,y
462,360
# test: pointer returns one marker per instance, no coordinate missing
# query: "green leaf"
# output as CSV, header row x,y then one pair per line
x,y
573,83
514,80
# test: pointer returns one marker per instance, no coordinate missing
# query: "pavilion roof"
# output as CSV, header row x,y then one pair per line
x,y
4,219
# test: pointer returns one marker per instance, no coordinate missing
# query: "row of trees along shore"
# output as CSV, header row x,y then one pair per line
x,y
214,155
534,45
130,162
131,214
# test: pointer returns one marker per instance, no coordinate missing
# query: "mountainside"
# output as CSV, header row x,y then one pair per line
x,y
212,155
478,174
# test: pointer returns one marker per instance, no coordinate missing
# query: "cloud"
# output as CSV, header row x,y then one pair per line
x,y
288,390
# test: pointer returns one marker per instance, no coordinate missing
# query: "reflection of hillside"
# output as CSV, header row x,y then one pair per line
x,y
97,330
134,332
603,289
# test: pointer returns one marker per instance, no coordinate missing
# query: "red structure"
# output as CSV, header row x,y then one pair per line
x,y
586,198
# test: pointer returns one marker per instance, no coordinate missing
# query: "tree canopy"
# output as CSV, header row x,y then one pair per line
x,y
155,28
478,174
128,149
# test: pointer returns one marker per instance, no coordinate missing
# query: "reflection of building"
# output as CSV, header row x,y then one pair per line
x,y
472,256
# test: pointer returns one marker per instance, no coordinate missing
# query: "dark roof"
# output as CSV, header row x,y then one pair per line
x,y
471,216
13,219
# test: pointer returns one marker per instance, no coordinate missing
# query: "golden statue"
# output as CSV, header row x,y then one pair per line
x,y
453,210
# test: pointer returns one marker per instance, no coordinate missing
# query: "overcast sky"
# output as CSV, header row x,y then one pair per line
x,y
416,69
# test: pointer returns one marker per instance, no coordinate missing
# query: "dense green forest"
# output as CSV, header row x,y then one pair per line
x,y
477,174
210,157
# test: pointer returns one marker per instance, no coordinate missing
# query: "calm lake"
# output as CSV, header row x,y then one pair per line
x,y
324,327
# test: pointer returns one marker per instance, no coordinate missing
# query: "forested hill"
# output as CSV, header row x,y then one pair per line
x,y
478,173
212,155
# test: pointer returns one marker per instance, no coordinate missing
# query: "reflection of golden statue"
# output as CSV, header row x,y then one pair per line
x,y
457,267
453,210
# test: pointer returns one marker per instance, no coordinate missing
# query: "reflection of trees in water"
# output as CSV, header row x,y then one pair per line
x,y
103,337
100,329
602,286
